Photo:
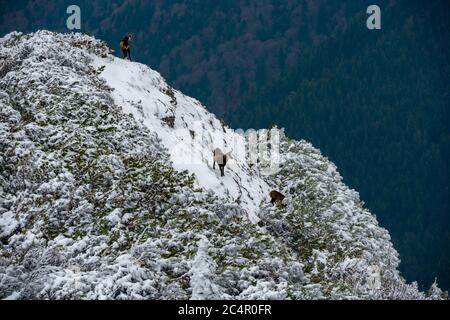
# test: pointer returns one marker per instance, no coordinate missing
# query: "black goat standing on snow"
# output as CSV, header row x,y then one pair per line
x,y
221,159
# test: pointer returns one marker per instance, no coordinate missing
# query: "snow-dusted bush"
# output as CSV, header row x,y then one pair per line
x,y
339,243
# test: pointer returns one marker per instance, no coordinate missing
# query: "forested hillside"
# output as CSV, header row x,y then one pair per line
x,y
378,104
375,102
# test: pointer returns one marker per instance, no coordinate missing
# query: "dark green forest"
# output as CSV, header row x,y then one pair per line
x,y
378,105
376,102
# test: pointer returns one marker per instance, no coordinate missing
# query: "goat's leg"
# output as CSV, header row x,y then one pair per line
x,y
214,165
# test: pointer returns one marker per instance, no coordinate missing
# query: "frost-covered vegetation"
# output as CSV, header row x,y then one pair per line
x,y
339,243
92,208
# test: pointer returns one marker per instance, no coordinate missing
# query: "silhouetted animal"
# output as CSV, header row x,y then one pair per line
x,y
125,46
221,159
276,196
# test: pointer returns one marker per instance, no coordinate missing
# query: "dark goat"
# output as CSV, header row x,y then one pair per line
x,y
221,159
276,196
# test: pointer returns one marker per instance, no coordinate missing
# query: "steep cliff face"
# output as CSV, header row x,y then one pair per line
x,y
107,192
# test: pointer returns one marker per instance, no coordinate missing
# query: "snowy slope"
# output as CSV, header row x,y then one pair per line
x,y
91,206
143,93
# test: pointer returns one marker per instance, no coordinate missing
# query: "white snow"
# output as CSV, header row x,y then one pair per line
x,y
140,91
8,224
201,273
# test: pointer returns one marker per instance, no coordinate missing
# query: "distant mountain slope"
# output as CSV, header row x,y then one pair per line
x,y
92,207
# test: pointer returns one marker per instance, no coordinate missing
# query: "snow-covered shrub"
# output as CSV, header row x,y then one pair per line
x,y
339,243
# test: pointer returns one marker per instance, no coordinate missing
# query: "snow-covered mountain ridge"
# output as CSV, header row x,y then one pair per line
x,y
106,192
192,136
